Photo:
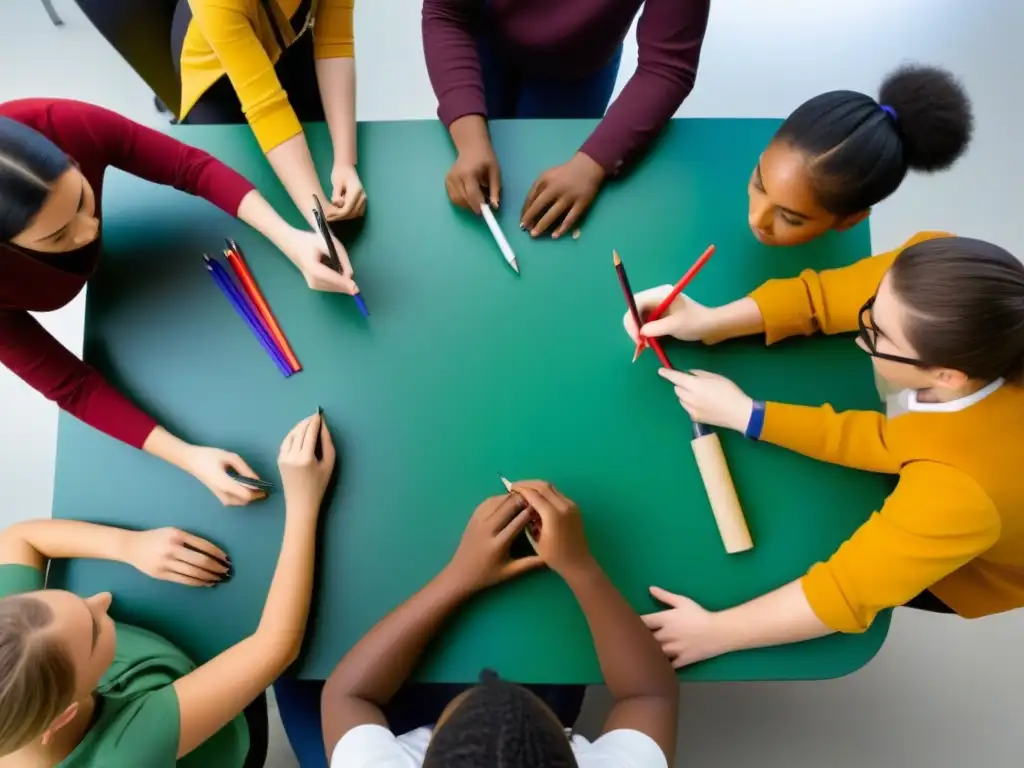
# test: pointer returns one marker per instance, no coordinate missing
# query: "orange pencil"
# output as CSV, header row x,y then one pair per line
x,y
683,282
234,256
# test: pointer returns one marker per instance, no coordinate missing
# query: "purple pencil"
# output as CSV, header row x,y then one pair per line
x,y
235,298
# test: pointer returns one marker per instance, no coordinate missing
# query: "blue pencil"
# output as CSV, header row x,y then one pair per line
x,y
235,298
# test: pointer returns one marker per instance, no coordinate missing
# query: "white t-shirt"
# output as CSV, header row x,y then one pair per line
x,y
373,745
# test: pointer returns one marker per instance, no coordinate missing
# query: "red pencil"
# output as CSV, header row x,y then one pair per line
x,y
234,256
683,282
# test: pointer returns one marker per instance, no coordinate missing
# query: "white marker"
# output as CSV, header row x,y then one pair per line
x,y
499,236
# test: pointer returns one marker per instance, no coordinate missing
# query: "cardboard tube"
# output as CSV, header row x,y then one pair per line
x,y
732,526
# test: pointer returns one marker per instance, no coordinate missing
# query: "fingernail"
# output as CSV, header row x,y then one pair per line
x,y
554,236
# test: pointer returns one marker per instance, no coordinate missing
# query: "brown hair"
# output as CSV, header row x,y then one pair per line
x,y
37,676
966,302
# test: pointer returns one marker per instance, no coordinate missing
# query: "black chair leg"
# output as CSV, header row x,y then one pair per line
x,y
52,13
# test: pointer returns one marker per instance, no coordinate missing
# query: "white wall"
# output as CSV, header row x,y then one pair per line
x,y
943,692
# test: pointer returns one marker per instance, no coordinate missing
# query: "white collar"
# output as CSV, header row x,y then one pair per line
x,y
913,404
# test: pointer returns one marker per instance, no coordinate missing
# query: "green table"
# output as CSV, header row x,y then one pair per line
x,y
464,370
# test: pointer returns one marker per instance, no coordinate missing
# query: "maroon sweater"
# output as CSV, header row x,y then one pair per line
x,y
95,138
572,38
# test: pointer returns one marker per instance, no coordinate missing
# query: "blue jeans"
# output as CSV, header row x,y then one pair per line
x,y
511,94
414,706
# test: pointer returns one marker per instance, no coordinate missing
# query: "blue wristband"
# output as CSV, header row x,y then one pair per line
x,y
756,424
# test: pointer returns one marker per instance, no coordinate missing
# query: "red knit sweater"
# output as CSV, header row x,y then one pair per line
x,y
95,138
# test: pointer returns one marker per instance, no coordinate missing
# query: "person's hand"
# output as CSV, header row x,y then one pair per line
x,y
711,399
173,555
347,196
562,543
476,170
308,252
483,558
686,632
684,319
303,476
565,190
210,467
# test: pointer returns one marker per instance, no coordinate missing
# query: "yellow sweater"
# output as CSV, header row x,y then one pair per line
x,y
235,37
955,523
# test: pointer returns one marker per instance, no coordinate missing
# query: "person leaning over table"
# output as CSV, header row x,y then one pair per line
x,y
54,154
843,152
79,690
275,63
499,724
942,319
494,59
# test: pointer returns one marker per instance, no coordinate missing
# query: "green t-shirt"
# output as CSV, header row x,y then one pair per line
x,y
137,719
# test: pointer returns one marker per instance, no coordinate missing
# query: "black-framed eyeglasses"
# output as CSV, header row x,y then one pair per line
x,y
869,335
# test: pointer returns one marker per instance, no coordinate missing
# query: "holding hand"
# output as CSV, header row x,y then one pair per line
x,y
711,399
684,319
475,169
210,467
172,555
308,252
565,190
562,543
686,632
303,476
483,557
347,197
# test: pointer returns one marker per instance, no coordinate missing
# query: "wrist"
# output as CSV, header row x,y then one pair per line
x,y
468,131
166,446
579,572
121,544
590,166
455,583
739,318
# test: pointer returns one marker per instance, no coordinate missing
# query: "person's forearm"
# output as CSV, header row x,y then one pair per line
x,y
166,446
739,318
777,618
385,657
469,130
336,79
631,662
260,215
43,540
293,165
286,610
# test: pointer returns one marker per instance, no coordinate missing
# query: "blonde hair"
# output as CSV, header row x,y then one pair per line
x,y
37,676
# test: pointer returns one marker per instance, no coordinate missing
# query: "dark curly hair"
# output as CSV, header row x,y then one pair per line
x,y
500,725
860,149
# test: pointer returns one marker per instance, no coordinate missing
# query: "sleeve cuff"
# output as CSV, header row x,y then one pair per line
x,y
783,305
604,152
467,102
276,126
828,601
334,49
756,423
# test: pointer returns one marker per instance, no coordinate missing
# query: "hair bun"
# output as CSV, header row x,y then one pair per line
x,y
933,115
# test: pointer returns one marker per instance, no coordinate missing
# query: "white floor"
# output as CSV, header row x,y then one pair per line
x,y
943,693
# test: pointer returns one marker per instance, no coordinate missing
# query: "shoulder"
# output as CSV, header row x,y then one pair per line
x,y
621,748
144,662
77,127
933,496
132,731
16,579
374,745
